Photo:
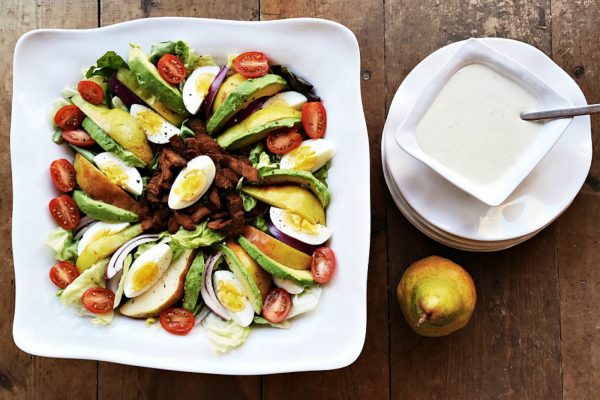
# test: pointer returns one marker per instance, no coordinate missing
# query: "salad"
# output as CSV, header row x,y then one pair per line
x,y
196,194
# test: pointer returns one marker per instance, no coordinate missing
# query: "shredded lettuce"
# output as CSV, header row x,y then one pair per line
x,y
91,277
63,244
143,248
282,325
182,50
224,336
102,319
261,160
261,223
248,202
202,236
107,65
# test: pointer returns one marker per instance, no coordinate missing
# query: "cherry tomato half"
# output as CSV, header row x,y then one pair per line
x,y
251,64
64,211
277,305
177,321
323,265
98,300
171,69
63,175
91,92
282,142
314,119
69,117
63,273
78,137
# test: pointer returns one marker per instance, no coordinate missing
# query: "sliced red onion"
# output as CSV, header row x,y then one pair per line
x,y
212,91
118,88
245,112
208,292
83,222
116,261
290,241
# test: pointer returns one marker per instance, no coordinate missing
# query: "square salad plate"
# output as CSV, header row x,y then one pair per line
x,y
475,51
332,336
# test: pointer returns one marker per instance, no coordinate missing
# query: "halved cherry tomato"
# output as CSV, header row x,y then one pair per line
x,y
251,64
314,119
177,321
69,117
64,211
171,69
282,142
63,175
323,265
91,92
277,305
63,273
78,137
98,300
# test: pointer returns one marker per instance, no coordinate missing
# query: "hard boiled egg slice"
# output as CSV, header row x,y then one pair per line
x,y
297,227
192,182
231,295
311,155
287,285
292,99
120,173
196,87
157,129
147,269
99,230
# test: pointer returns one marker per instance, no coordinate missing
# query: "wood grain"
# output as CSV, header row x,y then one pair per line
x,y
575,36
23,376
368,378
511,348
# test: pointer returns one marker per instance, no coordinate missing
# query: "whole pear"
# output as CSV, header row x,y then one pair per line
x,y
437,296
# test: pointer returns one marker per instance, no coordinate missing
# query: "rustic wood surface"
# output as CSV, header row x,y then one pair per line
x,y
535,333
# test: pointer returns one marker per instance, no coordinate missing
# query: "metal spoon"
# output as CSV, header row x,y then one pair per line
x,y
561,112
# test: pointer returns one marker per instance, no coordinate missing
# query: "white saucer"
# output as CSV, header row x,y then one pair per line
x,y
450,215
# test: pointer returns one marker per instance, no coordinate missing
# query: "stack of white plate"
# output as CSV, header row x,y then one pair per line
x,y
450,216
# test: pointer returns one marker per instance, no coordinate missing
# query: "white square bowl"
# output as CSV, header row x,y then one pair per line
x,y
471,52
325,53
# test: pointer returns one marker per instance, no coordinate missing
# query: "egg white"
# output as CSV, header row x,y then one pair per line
x,y
280,218
293,99
321,152
202,165
99,230
156,134
246,315
160,254
108,163
193,96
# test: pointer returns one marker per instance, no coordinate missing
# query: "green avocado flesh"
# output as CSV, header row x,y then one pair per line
x,y
102,211
304,178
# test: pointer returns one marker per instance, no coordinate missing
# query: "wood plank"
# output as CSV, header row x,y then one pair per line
x,y
119,381
368,377
511,347
21,375
575,36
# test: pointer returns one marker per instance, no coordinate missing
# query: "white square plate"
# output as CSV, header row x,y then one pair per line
x,y
471,52
325,53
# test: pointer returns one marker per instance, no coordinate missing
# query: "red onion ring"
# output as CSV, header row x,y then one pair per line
x,y
119,89
116,261
208,292
212,91
290,241
245,112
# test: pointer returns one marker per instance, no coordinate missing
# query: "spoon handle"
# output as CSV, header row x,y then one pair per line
x,y
561,112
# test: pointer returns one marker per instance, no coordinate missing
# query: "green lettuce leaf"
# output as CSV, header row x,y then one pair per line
x,y
182,50
282,325
186,132
193,282
261,223
91,277
107,65
202,236
261,160
142,248
224,336
63,244
321,173
248,202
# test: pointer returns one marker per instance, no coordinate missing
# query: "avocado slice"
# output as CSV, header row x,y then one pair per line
x,y
277,250
102,211
242,95
230,83
106,246
304,178
258,125
149,78
127,78
292,198
301,277
109,144
243,276
193,281
119,125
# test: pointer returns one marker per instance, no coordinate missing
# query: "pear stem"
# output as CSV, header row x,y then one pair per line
x,y
421,320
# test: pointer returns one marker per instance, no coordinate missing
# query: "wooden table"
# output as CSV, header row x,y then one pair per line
x,y
536,330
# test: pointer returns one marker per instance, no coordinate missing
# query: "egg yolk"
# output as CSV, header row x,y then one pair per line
x,y
230,295
145,275
303,158
115,173
191,186
149,120
203,83
300,223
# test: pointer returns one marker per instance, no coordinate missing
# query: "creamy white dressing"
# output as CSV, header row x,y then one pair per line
x,y
474,128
